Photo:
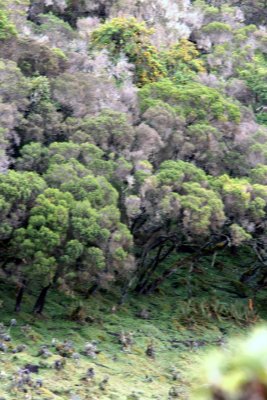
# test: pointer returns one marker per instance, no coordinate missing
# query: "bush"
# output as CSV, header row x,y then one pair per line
x,y
128,36
7,29
238,373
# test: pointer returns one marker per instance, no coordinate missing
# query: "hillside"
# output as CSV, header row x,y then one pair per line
x,y
133,189
179,330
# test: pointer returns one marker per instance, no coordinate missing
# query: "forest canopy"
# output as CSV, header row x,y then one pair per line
x,y
129,134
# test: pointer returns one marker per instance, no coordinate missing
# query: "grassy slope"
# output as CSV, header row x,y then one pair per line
x,y
180,331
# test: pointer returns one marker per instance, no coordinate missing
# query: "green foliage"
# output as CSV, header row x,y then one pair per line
x,y
259,174
86,224
257,79
40,59
243,202
7,28
163,325
183,61
51,23
128,36
217,27
241,34
15,88
197,310
96,257
238,373
237,190
254,74
63,228
40,89
143,144
193,101
109,130
203,209
39,243
180,200
95,189
33,157
172,172
239,235
17,192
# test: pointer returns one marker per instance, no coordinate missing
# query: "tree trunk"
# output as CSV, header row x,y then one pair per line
x,y
40,302
213,261
169,272
125,291
204,251
92,290
141,288
20,296
147,272
189,280
153,243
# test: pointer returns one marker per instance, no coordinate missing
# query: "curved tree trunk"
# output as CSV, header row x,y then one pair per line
x,y
40,302
204,251
141,287
19,296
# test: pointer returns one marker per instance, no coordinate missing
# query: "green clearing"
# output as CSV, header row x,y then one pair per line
x,y
180,329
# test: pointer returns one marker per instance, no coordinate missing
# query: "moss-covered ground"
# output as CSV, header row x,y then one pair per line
x,y
184,318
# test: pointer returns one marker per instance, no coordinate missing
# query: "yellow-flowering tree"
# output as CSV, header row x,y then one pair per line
x,y
129,37
183,60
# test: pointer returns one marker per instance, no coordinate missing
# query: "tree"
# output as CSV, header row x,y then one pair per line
x,y
254,10
18,190
193,101
176,206
43,123
244,202
183,61
259,174
109,130
146,138
254,74
40,243
83,94
59,32
17,15
72,236
128,36
70,10
7,28
14,91
180,206
33,157
14,87
199,125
